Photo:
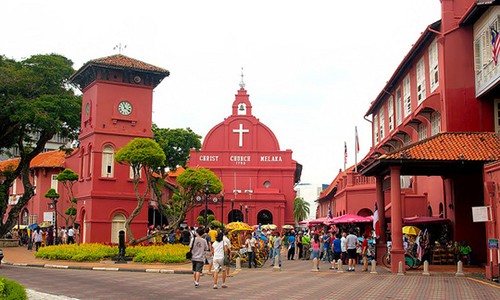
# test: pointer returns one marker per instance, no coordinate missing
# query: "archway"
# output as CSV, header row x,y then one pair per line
x,y
202,214
235,216
117,224
264,217
83,231
365,212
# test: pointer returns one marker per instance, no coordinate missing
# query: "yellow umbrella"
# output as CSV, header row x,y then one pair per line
x,y
238,226
411,230
269,226
287,227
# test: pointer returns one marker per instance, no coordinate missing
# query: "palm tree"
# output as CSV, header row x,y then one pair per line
x,y
300,209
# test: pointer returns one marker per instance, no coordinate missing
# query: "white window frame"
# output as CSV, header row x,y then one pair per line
x,y
407,95
375,129
53,182
399,107
422,131
421,91
433,66
108,164
435,123
35,181
390,112
381,117
131,173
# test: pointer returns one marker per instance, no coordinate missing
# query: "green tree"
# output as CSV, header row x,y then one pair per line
x,y
300,209
68,178
191,187
37,103
140,154
177,144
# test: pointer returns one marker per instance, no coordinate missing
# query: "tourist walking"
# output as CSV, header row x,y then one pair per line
x,y
343,247
300,246
219,251
37,238
291,246
229,255
277,242
352,242
326,247
364,252
315,245
337,250
306,246
198,248
250,245
71,235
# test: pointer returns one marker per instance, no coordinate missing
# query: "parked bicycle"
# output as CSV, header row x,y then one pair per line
x,y
411,262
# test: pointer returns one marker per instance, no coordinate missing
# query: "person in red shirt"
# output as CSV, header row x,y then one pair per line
x,y
364,253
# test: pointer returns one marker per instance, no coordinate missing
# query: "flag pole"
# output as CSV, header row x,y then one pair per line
x,y
356,148
345,155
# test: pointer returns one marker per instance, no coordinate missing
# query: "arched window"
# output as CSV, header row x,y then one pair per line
x,y
89,161
117,224
108,157
264,217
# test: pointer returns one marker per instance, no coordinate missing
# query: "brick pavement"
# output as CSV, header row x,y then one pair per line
x,y
295,281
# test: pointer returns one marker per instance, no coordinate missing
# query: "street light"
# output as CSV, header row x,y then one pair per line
x,y
232,210
246,214
206,192
54,196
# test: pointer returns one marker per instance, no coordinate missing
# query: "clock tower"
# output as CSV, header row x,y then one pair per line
x,y
117,104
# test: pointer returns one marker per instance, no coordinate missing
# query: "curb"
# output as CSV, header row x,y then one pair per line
x,y
145,270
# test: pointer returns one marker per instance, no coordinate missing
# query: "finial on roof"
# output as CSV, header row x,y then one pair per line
x,y
120,48
242,83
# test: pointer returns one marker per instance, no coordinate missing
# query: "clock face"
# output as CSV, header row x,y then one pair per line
x,y
137,79
125,108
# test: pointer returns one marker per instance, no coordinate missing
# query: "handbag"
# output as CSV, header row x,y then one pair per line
x,y
189,255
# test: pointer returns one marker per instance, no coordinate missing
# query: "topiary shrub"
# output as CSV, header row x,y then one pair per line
x,y
11,290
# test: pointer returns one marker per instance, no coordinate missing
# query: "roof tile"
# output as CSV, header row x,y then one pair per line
x,y
120,60
474,146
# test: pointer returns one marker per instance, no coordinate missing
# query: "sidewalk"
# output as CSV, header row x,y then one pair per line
x,y
20,256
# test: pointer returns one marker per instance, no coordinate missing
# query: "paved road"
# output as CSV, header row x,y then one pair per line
x,y
295,281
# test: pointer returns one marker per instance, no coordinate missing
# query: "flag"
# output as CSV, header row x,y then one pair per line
x,y
356,141
376,223
495,44
330,215
419,248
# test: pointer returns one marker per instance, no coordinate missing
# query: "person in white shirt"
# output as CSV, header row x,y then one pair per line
x,y
71,235
228,257
219,250
343,246
37,238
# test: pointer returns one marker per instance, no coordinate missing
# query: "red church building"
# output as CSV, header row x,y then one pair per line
x,y
258,177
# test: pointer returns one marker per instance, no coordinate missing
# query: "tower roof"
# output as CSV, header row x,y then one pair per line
x,y
119,62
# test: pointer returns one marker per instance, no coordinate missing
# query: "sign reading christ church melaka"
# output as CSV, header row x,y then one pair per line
x,y
242,159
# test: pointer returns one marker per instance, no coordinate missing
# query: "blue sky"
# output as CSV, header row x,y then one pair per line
x,y
311,67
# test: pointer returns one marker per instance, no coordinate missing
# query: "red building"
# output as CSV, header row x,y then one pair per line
x,y
116,108
435,126
258,177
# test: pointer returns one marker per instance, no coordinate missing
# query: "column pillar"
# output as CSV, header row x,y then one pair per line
x,y
382,240
397,251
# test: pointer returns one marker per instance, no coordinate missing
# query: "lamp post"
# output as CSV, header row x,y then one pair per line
x,y
232,210
54,196
241,210
246,214
206,197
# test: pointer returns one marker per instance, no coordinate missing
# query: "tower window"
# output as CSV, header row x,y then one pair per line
x,y
108,157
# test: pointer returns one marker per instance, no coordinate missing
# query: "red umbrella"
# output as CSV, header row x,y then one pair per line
x,y
319,221
349,218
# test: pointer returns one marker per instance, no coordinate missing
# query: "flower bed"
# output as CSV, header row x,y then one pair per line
x,y
94,252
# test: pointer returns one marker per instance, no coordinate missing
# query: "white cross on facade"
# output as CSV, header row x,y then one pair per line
x,y
241,131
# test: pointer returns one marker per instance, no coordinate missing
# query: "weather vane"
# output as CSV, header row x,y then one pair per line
x,y
120,48
242,83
